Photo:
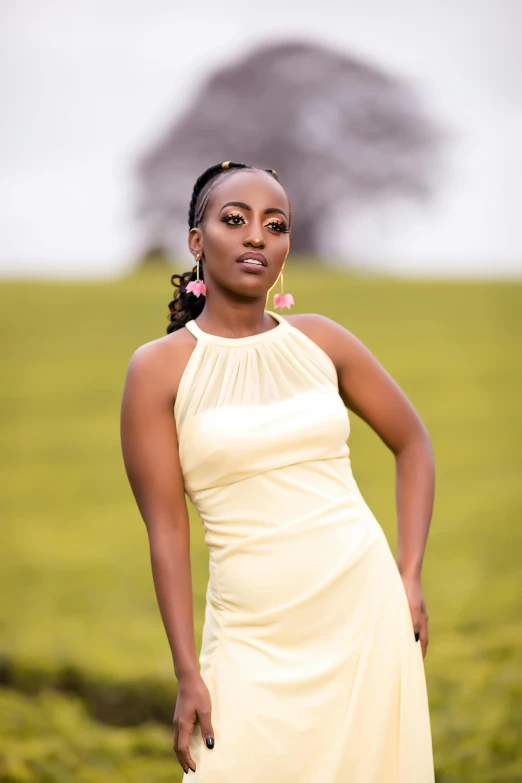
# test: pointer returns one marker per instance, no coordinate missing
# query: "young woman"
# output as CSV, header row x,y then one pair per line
x,y
311,666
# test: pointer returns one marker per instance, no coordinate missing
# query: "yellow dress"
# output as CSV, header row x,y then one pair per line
x,y
308,647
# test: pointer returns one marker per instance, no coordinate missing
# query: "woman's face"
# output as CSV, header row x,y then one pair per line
x,y
247,213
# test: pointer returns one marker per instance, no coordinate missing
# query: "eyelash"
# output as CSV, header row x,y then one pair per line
x,y
283,228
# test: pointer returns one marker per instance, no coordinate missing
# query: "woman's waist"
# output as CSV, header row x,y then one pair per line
x,y
261,527
280,497
263,572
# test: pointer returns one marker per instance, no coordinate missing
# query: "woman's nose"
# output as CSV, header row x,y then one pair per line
x,y
255,239
255,243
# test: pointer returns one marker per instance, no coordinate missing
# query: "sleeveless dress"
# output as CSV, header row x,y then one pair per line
x,y
308,647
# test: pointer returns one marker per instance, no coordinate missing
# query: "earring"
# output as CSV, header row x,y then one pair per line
x,y
283,300
197,287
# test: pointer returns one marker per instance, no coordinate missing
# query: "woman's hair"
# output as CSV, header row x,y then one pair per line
x,y
186,306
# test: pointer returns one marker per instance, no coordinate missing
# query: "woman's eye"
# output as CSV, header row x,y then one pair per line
x,y
278,226
229,218
237,220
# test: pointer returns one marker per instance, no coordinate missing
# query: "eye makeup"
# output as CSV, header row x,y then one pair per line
x,y
279,226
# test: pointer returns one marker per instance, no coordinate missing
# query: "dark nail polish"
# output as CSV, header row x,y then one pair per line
x,y
417,636
210,742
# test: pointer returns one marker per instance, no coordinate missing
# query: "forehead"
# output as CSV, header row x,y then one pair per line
x,y
257,188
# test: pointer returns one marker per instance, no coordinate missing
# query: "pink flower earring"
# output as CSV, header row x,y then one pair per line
x,y
283,300
197,287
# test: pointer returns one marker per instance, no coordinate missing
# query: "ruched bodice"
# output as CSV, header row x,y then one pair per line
x,y
295,559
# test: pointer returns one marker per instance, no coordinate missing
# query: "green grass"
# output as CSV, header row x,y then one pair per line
x,y
51,739
79,611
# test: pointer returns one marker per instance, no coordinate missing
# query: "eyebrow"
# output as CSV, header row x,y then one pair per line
x,y
269,211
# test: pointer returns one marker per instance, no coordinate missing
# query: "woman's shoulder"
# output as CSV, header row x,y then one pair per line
x,y
158,348
328,334
315,324
164,358
308,320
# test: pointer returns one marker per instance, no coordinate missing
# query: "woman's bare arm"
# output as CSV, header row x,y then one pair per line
x,y
367,389
151,458
150,453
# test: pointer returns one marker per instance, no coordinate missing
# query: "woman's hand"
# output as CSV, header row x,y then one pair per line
x,y
419,613
193,704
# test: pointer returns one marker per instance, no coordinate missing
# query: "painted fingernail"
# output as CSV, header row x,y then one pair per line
x,y
417,636
210,742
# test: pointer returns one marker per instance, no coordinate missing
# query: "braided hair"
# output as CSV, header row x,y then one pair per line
x,y
186,306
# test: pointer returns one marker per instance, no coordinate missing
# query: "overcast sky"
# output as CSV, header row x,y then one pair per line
x,y
85,86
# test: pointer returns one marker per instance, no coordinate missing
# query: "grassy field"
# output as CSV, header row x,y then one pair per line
x,y
88,689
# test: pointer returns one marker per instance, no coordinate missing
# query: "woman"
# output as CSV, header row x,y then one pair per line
x,y
311,666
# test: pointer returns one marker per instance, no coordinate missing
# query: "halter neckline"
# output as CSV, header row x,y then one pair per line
x,y
250,339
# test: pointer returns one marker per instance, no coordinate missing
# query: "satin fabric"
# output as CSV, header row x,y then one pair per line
x,y
308,647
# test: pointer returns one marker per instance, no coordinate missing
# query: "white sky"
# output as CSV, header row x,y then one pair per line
x,y
86,85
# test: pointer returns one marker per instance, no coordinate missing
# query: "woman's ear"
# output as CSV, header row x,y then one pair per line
x,y
195,242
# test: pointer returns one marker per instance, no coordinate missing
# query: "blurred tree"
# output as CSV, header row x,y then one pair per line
x,y
337,130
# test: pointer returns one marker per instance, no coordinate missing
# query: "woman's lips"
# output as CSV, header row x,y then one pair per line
x,y
254,268
255,256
